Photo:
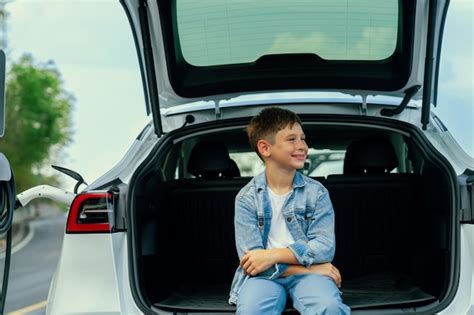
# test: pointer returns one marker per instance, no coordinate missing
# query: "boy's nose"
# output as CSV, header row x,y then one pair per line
x,y
302,147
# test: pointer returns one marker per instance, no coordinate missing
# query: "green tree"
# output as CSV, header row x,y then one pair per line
x,y
38,120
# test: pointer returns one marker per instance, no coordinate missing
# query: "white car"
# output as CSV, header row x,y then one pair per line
x,y
155,234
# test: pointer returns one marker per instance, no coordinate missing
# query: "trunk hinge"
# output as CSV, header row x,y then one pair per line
x,y
409,93
466,181
363,105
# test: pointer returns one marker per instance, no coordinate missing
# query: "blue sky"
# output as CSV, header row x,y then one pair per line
x,y
92,45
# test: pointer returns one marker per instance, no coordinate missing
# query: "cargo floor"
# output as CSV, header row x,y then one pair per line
x,y
377,290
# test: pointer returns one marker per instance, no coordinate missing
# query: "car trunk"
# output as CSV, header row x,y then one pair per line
x,y
393,230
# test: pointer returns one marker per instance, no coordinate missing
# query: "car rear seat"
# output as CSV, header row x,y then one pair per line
x,y
372,208
204,208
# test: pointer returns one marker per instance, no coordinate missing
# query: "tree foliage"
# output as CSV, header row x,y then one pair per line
x,y
37,122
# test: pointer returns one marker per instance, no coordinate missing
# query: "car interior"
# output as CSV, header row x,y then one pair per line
x,y
392,208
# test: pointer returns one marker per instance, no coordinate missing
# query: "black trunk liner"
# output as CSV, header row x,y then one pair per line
x,y
377,290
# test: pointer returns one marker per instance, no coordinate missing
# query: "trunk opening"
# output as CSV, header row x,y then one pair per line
x,y
393,230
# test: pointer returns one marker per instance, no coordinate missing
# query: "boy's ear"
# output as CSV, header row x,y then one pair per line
x,y
263,147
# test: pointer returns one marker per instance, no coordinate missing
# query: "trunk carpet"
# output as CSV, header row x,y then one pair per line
x,y
377,290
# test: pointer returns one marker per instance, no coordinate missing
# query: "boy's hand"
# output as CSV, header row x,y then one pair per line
x,y
327,269
256,261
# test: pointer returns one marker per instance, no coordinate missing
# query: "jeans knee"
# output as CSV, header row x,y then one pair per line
x,y
332,306
258,305
326,307
246,309
259,296
257,309
246,305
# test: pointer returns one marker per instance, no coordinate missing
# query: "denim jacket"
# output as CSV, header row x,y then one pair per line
x,y
308,212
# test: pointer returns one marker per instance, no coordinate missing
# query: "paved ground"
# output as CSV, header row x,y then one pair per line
x,y
33,266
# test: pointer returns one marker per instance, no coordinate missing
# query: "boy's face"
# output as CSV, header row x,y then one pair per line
x,y
289,149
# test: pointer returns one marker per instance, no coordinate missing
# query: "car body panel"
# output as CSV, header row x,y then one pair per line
x,y
463,302
92,276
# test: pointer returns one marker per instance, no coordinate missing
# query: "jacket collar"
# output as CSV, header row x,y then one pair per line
x,y
261,181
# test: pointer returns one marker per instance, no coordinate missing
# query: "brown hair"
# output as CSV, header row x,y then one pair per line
x,y
267,123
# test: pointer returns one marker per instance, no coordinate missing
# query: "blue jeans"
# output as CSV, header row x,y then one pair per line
x,y
311,294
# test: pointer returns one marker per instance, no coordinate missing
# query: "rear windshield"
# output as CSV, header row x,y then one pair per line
x,y
217,32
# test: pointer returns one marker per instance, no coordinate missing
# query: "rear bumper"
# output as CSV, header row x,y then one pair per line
x,y
92,276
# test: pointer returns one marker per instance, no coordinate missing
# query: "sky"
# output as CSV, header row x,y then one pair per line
x,y
92,45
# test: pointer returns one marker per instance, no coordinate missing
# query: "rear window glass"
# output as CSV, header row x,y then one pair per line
x,y
249,163
319,163
228,32
324,162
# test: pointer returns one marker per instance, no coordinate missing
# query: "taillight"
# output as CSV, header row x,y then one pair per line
x,y
92,212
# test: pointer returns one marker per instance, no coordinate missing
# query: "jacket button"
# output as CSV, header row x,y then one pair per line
x,y
288,219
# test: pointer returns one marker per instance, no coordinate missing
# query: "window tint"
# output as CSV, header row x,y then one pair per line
x,y
215,32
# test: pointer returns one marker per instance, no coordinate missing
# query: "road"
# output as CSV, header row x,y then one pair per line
x,y
33,266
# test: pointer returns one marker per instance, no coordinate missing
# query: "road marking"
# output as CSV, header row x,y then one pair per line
x,y
28,309
26,240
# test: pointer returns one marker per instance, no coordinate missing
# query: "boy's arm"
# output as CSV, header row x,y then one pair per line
x,y
273,256
326,269
320,247
257,261
295,270
249,239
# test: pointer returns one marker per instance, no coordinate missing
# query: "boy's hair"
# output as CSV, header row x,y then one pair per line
x,y
267,123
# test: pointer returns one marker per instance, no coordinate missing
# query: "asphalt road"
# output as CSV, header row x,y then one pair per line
x,y
33,266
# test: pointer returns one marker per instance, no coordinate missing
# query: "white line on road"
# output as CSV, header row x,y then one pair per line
x,y
30,308
26,240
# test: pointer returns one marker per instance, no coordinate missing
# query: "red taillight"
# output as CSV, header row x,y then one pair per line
x,y
91,212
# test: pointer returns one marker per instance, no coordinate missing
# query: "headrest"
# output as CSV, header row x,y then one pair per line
x,y
211,160
234,172
371,156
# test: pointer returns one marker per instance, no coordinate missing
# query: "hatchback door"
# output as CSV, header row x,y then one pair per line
x,y
209,50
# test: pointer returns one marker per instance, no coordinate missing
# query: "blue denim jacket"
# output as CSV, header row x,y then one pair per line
x,y
308,212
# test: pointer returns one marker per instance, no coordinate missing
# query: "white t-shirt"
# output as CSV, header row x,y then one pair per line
x,y
279,235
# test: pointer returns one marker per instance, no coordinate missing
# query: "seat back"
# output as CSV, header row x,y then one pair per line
x,y
371,207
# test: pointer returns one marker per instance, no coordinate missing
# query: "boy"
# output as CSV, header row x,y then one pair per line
x,y
284,227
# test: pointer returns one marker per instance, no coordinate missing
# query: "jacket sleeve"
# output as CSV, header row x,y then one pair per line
x,y
247,233
321,244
